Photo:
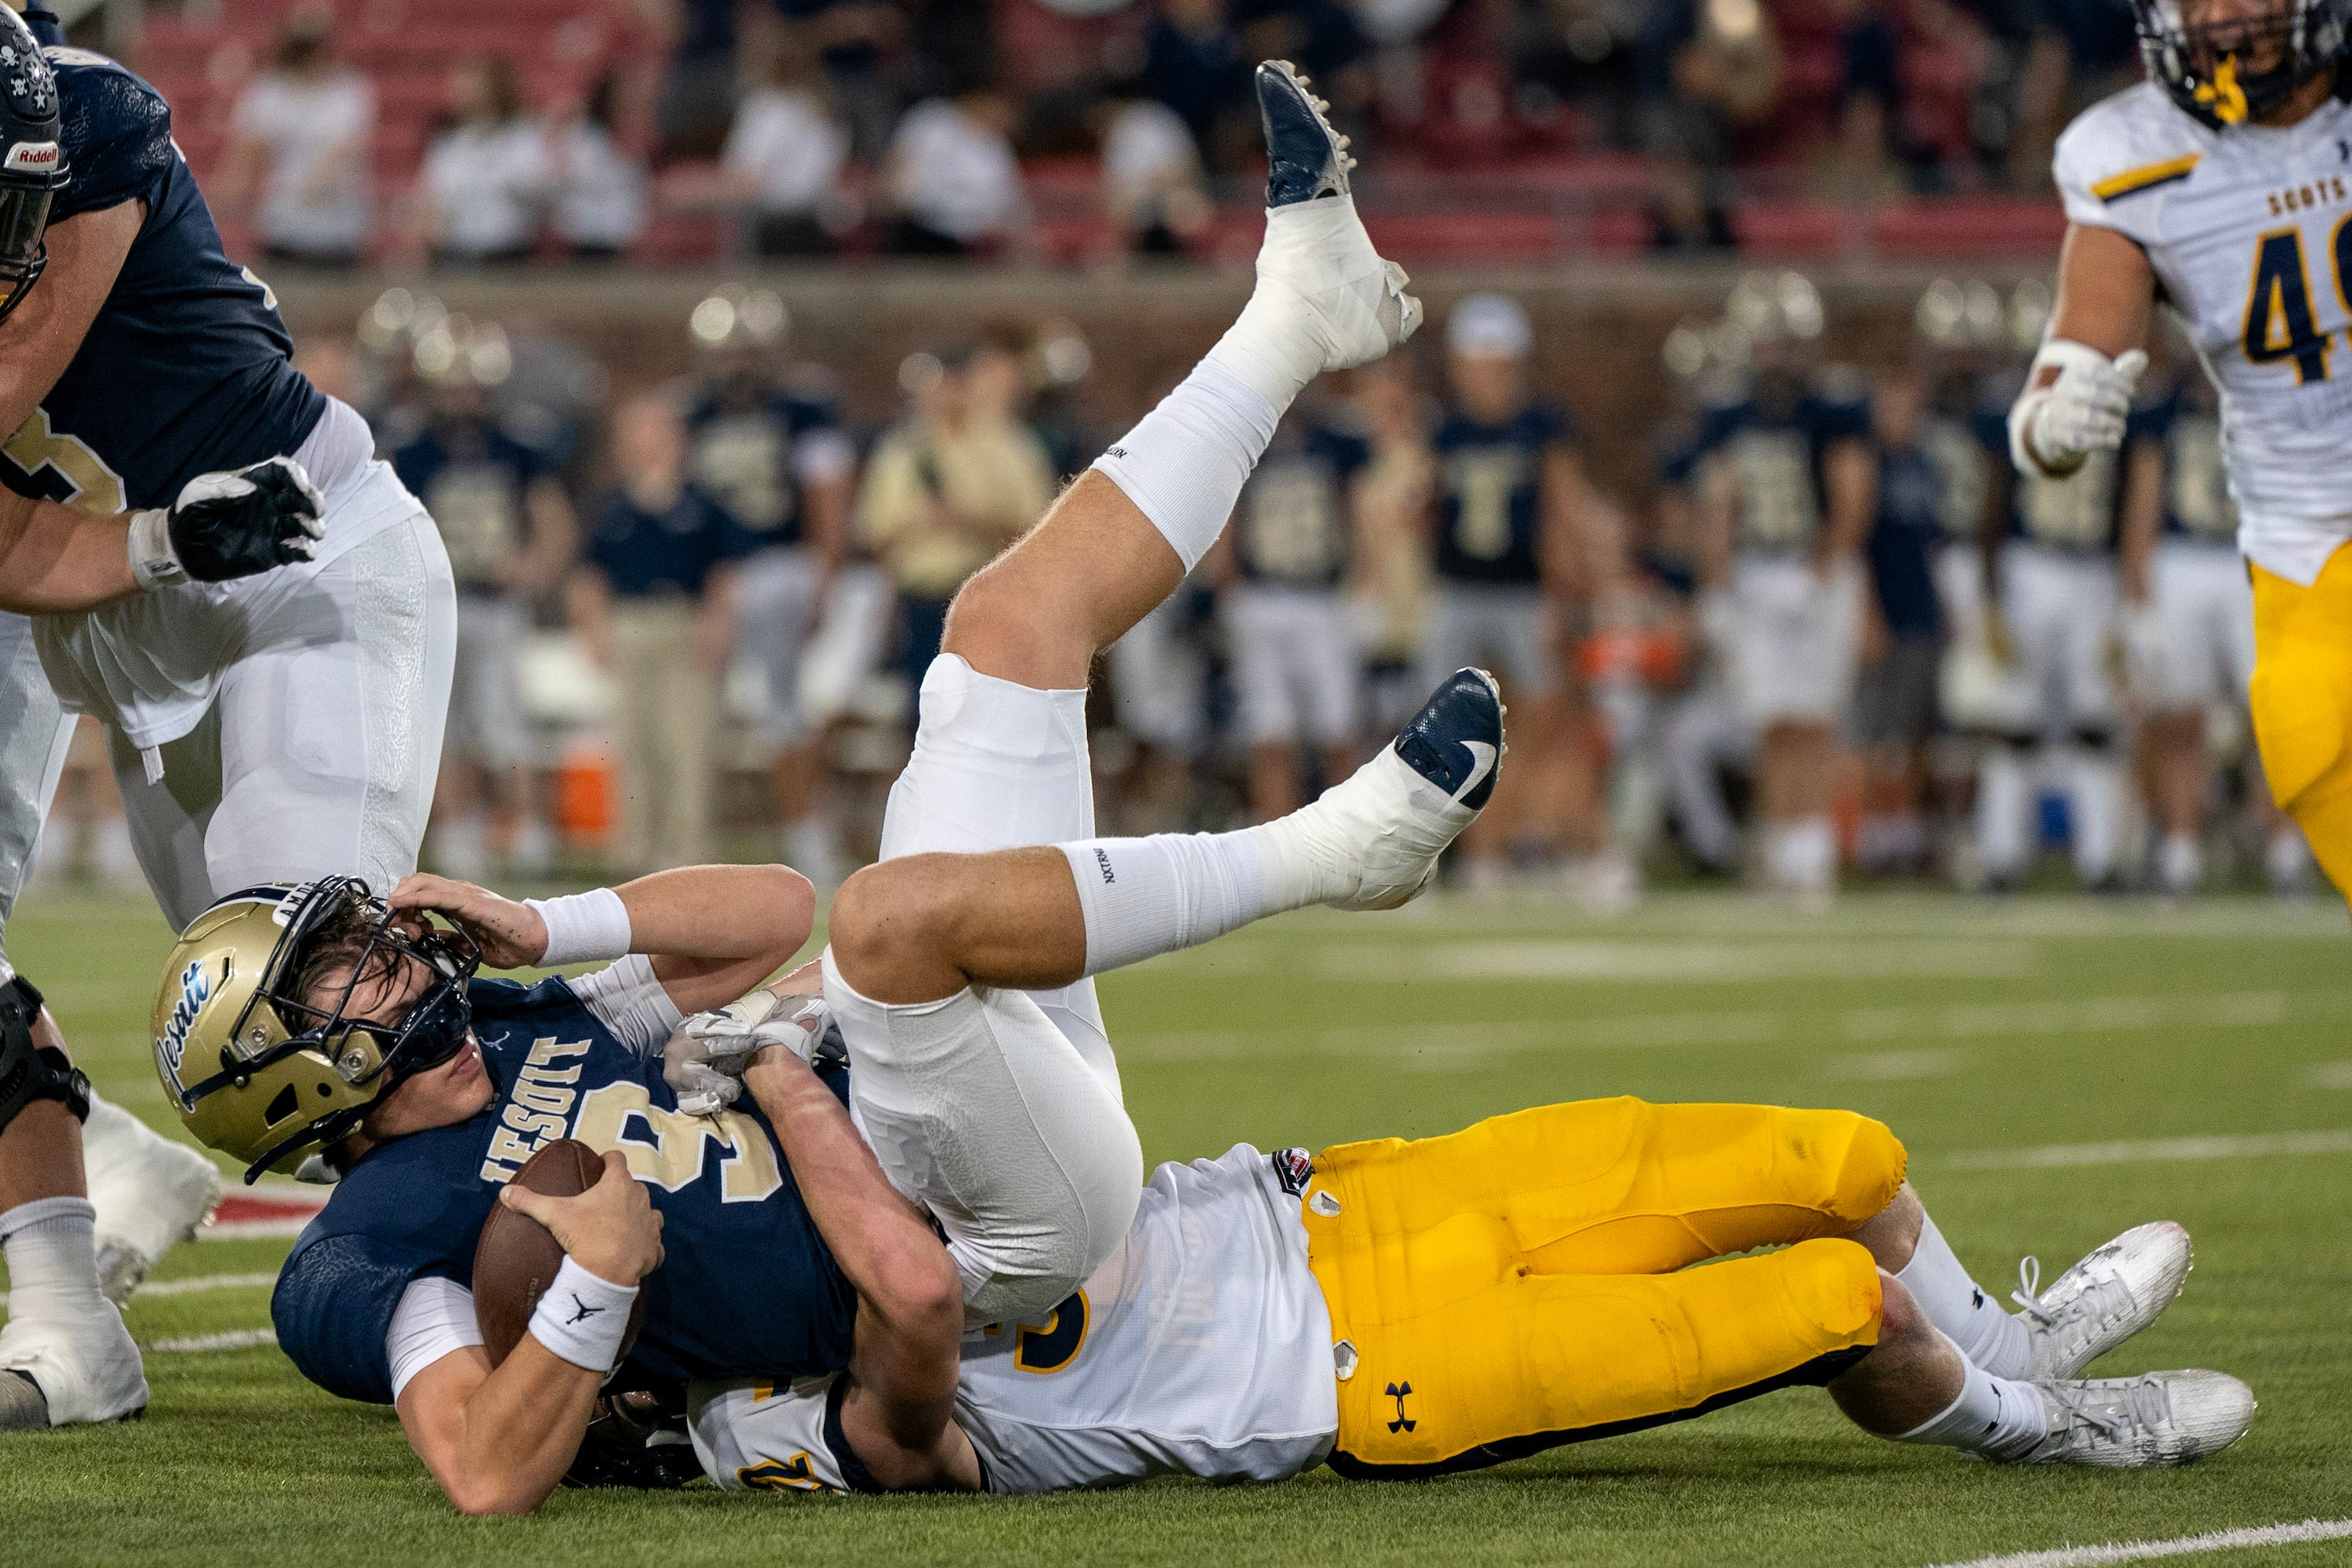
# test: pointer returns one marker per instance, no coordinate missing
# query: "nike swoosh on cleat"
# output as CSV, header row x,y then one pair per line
x,y
1483,756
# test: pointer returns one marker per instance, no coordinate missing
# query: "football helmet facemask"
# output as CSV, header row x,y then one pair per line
x,y
2231,62
268,1074
32,159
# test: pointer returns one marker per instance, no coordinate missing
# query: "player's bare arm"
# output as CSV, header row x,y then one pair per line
x,y
1850,479
2080,384
713,932
898,1413
40,337
499,1440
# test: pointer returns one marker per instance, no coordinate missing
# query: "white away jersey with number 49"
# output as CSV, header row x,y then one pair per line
x,y
1202,1347
2250,232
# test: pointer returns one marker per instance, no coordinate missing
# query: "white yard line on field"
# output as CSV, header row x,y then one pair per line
x,y
2180,1546
234,1340
2334,1140
1440,1045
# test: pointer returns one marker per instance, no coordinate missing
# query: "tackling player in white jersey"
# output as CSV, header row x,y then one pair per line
x,y
2221,187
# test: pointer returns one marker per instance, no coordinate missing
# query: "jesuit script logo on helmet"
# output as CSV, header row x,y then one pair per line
x,y
195,990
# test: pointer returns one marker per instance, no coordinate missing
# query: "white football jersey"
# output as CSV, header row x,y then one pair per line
x,y
1202,1348
2246,228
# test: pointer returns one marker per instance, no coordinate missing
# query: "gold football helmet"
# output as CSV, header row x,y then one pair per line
x,y
266,1074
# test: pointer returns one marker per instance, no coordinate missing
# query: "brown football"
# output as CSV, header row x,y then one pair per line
x,y
516,1260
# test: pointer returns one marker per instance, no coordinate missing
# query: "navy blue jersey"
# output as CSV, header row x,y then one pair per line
x,y
674,550
1490,494
746,1287
1291,529
1967,471
1903,537
745,457
473,478
1775,459
184,370
2197,504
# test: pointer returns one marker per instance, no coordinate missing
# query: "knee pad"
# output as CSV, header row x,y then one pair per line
x,y
31,1072
1872,1172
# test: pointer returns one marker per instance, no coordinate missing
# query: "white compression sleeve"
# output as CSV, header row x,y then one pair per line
x,y
1185,465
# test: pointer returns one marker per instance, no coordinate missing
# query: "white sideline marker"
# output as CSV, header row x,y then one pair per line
x,y
2129,1151
2181,1546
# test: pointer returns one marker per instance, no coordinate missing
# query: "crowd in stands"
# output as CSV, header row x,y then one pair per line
x,y
1833,637
1079,128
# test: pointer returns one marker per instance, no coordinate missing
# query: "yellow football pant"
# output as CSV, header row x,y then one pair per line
x,y
1515,1285
2301,704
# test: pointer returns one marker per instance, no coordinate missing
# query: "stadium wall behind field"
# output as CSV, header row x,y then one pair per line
x,y
1598,328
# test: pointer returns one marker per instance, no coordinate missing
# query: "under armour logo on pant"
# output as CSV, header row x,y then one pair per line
x,y
1397,1391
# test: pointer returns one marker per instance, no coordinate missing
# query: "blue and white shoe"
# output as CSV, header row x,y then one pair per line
x,y
1375,838
1317,266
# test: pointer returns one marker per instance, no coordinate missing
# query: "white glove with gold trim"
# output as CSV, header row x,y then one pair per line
x,y
704,1061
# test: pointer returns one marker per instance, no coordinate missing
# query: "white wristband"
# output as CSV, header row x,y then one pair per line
x,y
153,562
583,928
582,1317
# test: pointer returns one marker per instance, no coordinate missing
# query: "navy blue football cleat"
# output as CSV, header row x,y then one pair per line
x,y
1304,157
1456,741
1376,837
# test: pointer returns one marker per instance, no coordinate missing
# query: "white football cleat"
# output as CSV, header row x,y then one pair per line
x,y
150,1192
89,1371
2115,1290
1316,258
1375,836
2156,1418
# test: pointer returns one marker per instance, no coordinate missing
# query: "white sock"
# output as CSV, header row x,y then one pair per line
x,y
2179,863
2287,858
809,850
2004,813
1801,856
1998,1417
1990,1338
51,1244
1185,463
2095,793
1143,897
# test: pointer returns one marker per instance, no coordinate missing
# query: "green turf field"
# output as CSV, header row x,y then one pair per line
x,y
2060,1069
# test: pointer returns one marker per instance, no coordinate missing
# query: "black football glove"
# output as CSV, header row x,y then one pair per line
x,y
229,525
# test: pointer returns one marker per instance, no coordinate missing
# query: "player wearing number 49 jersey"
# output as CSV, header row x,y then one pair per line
x,y
2221,185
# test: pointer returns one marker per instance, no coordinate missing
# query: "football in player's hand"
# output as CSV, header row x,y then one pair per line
x,y
516,1260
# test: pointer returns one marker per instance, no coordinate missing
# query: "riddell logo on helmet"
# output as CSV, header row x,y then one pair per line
x,y
37,157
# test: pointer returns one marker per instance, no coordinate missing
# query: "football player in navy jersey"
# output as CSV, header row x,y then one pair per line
x,y
1507,520
136,364
507,524
2056,597
2189,617
1787,485
1295,658
1895,702
767,443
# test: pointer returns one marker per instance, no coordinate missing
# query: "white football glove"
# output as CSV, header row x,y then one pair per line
x,y
2051,431
704,1061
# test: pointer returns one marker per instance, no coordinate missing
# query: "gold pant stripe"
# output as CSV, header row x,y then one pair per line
x,y
1530,1275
